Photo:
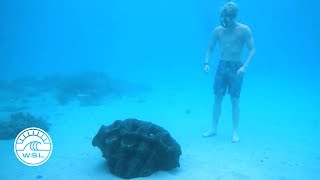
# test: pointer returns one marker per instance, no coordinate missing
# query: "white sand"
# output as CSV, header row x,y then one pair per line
x,y
275,145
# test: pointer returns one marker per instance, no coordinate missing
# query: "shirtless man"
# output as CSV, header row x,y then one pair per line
x,y
231,37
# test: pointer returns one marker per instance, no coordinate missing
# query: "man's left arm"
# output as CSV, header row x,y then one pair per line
x,y
250,45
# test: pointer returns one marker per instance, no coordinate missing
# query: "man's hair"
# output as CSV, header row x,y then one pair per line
x,y
229,9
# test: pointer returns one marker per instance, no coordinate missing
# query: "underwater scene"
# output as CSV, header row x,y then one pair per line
x,y
164,89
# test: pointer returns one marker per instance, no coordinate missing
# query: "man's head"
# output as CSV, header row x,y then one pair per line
x,y
228,14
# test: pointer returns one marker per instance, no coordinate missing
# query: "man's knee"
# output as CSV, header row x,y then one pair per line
x,y
218,99
235,101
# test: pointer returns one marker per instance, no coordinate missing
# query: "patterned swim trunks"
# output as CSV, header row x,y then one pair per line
x,y
227,78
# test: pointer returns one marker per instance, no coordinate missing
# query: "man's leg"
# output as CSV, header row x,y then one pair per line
x,y
235,91
235,118
215,116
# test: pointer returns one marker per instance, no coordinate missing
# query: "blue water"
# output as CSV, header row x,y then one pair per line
x,y
162,45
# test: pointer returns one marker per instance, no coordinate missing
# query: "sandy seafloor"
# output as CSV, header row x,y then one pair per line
x,y
279,131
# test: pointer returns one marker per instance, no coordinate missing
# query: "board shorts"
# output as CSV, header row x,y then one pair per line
x,y
227,79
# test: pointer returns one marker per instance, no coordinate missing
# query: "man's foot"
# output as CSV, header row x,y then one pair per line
x,y
235,137
209,133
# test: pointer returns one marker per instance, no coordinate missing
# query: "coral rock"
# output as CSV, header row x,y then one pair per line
x,y
135,148
18,122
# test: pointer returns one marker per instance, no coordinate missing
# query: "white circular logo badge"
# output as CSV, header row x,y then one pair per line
x,y
33,146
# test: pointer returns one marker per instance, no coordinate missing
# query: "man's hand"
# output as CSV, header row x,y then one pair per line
x,y
241,71
206,68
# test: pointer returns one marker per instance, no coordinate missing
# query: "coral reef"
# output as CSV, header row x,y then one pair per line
x,y
13,108
18,122
135,148
89,88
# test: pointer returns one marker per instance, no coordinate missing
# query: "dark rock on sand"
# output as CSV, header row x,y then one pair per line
x,y
135,148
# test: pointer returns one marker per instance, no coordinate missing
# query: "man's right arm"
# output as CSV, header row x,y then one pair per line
x,y
212,44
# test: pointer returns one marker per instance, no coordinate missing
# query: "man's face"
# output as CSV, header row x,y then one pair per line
x,y
226,20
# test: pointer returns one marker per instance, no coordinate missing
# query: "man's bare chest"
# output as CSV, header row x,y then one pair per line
x,y
234,37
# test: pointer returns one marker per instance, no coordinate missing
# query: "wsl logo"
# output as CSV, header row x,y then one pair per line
x,y
33,146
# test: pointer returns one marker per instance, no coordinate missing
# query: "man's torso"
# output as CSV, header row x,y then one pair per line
x,y
231,42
